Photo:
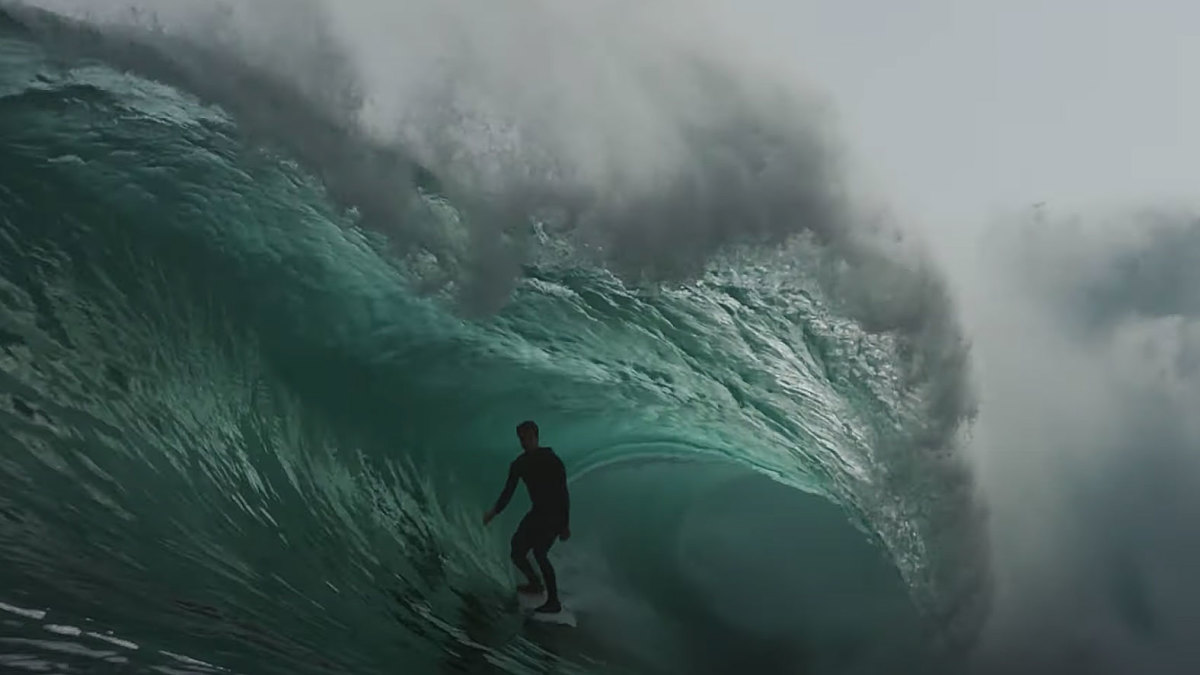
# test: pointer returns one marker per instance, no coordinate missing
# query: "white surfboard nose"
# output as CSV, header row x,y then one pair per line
x,y
563,618
529,602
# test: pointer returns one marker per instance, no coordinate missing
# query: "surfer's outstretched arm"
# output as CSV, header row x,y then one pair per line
x,y
509,488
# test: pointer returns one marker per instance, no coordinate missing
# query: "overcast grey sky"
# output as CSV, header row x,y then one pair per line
x,y
960,108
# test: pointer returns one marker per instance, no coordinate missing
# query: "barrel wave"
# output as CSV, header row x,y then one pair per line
x,y
260,376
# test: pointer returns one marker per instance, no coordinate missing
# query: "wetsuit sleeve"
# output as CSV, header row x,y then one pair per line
x,y
509,488
566,496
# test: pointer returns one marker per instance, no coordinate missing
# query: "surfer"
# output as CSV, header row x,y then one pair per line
x,y
549,518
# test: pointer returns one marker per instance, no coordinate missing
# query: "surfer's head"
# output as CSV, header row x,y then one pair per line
x,y
527,431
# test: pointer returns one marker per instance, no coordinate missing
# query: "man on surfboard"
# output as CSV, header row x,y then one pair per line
x,y
549,518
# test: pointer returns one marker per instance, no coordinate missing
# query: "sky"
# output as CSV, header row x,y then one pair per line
x,y
958,109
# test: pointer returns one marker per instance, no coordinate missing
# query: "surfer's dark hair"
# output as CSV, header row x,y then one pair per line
x,y
528,425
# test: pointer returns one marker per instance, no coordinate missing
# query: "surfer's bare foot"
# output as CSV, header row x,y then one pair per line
x,y
531,589
551,607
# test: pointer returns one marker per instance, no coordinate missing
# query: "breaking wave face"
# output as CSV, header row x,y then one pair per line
x,y
263,358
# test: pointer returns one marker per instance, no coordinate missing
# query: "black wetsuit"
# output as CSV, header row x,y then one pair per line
x,y
545,478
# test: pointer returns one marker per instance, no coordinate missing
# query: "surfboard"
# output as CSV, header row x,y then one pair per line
x,y
530,602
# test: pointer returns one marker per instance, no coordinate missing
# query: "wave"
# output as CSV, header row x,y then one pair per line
x,y
261,369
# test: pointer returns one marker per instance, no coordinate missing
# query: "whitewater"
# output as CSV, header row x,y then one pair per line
x,y
273,301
